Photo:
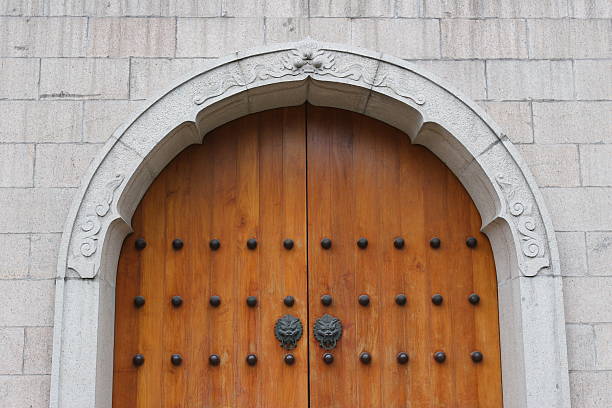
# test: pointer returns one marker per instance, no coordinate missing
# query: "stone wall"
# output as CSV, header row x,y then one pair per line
x,y
72,70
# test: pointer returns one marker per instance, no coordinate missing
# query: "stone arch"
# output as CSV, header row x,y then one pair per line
x,y
532,324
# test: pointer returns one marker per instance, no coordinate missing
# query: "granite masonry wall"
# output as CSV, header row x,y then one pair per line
x,y
72,70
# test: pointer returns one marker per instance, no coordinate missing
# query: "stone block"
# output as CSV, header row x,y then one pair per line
x,y
214,37
593,79
91,78
19,78
603,346
591,389
580,209
491,38
572,253
599,252
25,391
26,303
580,346
62,165
14,256
101,118
22,7
38,350
552,165
357,8
187,8
125,37
34,209
336,30
11,350
43,36
16,165
40,121
404,38
467,76
521,80
572,122
587,299
43,255
514,119
569,38
590,8
150,76
596,163
265,8
495,8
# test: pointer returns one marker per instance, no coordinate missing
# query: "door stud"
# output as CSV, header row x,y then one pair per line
x,y
139,301
439,356
251,243
471,242
328,358
435,243
214,244
215,301
251,301
326,300
476,356
326,243
177,244
474,299
214,360
251,359
399,243
365,357
288,244
177,301
362,243
402,358
289,301
138,360
401,299
140,244
176,359
437,299
364,300
289,359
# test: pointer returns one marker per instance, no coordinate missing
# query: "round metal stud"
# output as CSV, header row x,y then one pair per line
x,y
435,243
476,356
437,299
289,301
364,300
251,243
138,360
474,299
214,244
328,358
251,301
362,243
177,244
399,243
214,360
439,356
365,357
326,300
139,301
289,359
176,359
215,301
288,244
471,242
251,359
326,243
401,299
140,244
177,301
402,358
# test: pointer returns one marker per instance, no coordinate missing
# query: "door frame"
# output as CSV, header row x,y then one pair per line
x,y
531,313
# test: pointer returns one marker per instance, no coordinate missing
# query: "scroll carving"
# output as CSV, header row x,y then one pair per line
x,y
531,242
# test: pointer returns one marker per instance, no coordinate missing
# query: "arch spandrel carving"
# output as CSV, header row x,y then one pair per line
x,y
380,86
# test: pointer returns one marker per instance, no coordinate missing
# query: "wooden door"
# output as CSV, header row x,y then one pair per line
x,y
305,174
246,181
365,180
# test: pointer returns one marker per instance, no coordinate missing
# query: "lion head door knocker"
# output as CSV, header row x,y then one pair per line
x,y
288,330
327,331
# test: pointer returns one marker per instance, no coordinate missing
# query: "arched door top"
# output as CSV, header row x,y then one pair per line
x,y
386,88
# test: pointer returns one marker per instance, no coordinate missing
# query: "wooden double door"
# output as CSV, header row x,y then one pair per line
x,y
315,213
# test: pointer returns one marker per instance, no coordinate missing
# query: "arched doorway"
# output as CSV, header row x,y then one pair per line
x,y
306,211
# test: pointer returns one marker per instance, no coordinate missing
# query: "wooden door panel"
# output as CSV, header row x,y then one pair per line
x,y
247,180
366,180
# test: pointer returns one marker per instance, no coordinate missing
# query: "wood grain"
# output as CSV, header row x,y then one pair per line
x,y
306,173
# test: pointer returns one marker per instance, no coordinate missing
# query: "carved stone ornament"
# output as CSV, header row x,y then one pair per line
x,y
307,58
327,331
288,330
532,244
90,229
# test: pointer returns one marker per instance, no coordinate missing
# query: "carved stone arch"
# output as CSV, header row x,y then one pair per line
x,y
532,323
